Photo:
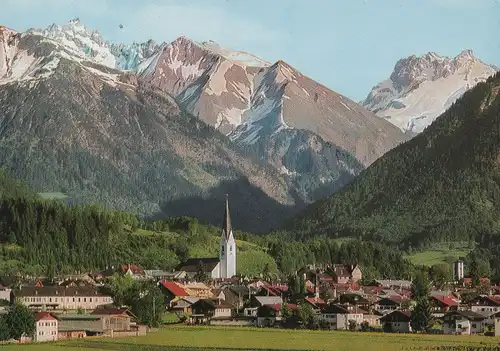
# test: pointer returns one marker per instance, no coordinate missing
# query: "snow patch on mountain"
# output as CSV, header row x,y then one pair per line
x,y
422,88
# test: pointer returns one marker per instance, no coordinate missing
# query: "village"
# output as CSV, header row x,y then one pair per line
x,y
208,291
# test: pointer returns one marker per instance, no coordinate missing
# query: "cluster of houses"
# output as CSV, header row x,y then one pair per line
x,y
74,307
337,299
77,307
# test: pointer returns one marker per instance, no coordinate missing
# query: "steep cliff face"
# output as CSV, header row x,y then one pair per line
x,y
249,99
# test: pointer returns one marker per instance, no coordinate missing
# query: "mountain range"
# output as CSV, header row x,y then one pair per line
x,y
169,129
99,122
421,88
443,185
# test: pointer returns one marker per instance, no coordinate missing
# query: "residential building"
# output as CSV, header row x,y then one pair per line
x,y
339,318
259,301
98,322
46,327
236,295
157,274
484,303
133,271
463,322
343,274
60,297
205,310
443,304
397,321
172,292
394,284
209,265
458,270
390,303
269,315
316,302
200,290
184,305
496,324
5,293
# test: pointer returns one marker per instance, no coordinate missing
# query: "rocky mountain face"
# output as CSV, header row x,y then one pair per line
x,y
443,185
421,88
98,122
250,99
94,133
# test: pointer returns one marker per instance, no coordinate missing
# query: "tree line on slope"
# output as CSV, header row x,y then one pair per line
x,y
442,185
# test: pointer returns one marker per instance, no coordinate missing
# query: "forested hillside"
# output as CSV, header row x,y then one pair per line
x,y
46,237
444,184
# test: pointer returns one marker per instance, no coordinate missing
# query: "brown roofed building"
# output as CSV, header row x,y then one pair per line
x,y
210,265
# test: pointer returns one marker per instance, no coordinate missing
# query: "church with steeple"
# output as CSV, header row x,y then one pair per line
x,y
227,253
222,267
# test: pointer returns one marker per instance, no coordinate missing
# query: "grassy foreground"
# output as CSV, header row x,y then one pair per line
x,y
182,338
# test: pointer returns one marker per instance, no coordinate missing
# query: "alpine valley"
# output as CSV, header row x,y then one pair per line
x,y
169,129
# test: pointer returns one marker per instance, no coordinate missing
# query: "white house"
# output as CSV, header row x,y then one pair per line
x,y
397,321
46,327
339,318
463,322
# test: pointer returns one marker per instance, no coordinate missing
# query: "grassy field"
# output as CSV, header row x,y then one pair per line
x,y
53,196
251,257
247,339
440,254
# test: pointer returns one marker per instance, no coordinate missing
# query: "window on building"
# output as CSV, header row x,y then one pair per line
x,y
474,325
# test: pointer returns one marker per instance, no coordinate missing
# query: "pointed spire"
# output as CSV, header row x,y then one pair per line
x,y
226,225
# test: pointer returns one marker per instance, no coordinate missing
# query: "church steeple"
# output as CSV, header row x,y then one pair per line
x,y
227,252
226,225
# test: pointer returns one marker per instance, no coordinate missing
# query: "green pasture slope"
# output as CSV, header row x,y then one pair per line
x,y
252,339
439,254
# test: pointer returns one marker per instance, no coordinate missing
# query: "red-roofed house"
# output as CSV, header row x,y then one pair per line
x,y
443,304
172,292
46,327
316,302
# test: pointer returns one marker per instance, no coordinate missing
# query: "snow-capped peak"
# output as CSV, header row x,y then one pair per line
x,y
82,42
421,88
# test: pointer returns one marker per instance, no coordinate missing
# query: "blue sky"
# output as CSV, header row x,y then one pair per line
x,y
347,45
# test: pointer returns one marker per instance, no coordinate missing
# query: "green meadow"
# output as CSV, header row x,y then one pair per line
x,y
182,338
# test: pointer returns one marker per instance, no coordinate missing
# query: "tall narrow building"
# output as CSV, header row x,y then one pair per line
x,y
227,247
